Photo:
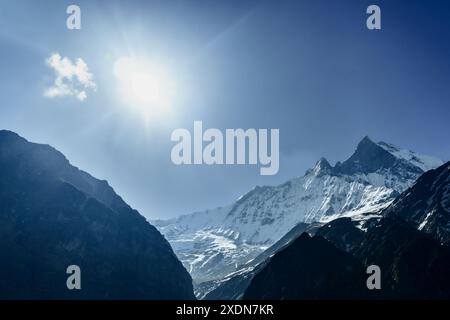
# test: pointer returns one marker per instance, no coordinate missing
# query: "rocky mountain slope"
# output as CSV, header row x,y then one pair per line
x,y
309,268
413,266
53,215
232,286
427,204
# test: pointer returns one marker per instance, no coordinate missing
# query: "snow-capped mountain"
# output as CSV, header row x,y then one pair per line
x,y
213,243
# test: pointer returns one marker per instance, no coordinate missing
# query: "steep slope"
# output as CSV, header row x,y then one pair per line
x,y
343,233
53,215
232,287
309,268
413,265
427,204
214,243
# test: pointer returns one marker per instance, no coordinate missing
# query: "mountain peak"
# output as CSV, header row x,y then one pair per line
x,y
368,157
371,156
9,135
7,132
366,140
323,162
86,221
322,167
367,144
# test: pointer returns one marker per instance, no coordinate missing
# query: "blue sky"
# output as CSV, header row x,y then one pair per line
x,y
309,68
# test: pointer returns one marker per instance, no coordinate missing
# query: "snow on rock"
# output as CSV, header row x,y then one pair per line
x,y
424,162
213,243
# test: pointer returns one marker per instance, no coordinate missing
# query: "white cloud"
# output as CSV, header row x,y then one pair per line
x,y
72,79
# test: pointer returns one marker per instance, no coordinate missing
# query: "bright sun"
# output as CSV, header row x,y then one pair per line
x,y
144,86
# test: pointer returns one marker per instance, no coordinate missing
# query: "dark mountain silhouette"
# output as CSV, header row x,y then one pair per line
x,y
53,215
413,265
309,268
343,233
233,286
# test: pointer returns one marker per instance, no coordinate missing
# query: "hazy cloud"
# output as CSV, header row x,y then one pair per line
x,y
72,79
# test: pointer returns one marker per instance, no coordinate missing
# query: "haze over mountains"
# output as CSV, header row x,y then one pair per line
x,y
214,243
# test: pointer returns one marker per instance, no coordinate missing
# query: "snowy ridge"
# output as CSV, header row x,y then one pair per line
x,y
424,162
213,243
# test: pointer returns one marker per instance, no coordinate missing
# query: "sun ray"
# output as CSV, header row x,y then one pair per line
x,y
144,86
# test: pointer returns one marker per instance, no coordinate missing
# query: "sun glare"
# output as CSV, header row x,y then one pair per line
x,y
144,86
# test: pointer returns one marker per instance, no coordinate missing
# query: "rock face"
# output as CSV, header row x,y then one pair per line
x,y
53,215
215,243
427,204
309,268
413,264
343,233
